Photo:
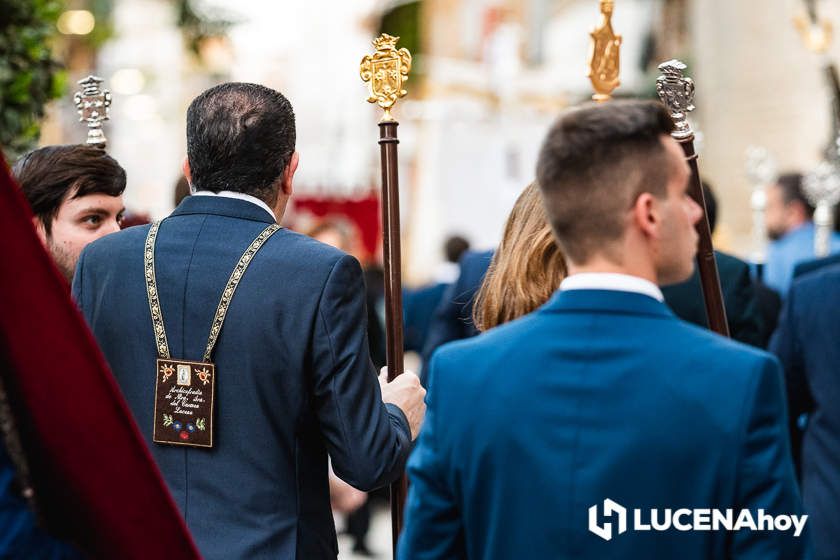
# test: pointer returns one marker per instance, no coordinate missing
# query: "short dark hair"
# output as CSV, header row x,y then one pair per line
x,y
594,164
50,175
454,247
240,137
792,191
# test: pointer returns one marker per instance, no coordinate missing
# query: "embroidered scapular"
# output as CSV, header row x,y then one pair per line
x,y
185,390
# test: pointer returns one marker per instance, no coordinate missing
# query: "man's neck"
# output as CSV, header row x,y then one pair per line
x,y
601,265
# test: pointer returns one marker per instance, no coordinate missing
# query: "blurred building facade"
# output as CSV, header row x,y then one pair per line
x,y
489,78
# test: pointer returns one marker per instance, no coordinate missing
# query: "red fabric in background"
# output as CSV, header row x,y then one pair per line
x,y
363,212
95,479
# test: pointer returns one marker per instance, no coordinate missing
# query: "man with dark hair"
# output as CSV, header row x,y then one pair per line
x,y
788,218
75,192
242,432
602,396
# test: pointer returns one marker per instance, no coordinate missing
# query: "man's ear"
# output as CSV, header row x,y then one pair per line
x,y
646,214
185,167
289,174
40,230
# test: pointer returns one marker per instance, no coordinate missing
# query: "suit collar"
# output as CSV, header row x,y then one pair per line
x,y
606,301
222,206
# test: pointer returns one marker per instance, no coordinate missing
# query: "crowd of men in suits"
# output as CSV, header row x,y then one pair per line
x,y
601,394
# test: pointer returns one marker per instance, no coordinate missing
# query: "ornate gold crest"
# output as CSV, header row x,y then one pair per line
x,y
604,61
816,35
385,72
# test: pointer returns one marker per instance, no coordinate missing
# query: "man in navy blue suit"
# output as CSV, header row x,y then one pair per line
x,y
806,341
556,435
291,367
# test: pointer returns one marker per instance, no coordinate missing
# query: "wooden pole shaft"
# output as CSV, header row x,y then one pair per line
x,y
392,264
706,263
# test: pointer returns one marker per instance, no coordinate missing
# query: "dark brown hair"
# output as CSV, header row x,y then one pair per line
x,y
594,164
52,174
526,269
240,137
792,191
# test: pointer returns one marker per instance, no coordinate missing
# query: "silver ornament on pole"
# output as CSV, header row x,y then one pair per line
x,y
676,91
762,172
93,104
822,188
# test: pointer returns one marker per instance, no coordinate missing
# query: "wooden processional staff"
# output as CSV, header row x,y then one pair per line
x,y
677,93
385,72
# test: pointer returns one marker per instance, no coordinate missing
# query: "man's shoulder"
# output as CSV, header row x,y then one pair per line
x,y
116,244
712,357
291,243
730,264
817,284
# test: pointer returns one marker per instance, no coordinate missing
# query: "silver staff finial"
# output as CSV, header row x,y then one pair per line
x,y
761,170
822,189
93,104
677,93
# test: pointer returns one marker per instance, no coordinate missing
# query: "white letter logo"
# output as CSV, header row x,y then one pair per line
x,y
605,531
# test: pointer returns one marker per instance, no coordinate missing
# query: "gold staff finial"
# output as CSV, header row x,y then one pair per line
x,y
816,34
604,61
385,72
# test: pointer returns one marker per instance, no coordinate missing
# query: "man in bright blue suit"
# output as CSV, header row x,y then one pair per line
x,y
790,227
603,394
294,380
806,342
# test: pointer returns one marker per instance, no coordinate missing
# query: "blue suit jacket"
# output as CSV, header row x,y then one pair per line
x,y
807,267
20,535
808,343
739,298
419,306
784,254
598,394
294,378
453,317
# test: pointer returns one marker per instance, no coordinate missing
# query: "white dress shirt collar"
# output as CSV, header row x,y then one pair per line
x,y
611,281
239,196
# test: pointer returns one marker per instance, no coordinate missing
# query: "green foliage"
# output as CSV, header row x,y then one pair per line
x,y
29,76
404,22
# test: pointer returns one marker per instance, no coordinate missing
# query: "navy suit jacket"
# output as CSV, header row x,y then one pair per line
x,y
453,317
419,306
294,378
739,298
20,535
816,264
807,342
596,395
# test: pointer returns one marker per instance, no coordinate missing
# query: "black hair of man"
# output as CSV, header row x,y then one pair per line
x,y
48,176
454,247
594,163
240,137
793,192
711,204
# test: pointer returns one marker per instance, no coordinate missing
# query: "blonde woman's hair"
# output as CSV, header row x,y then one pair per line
x,y
526,269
